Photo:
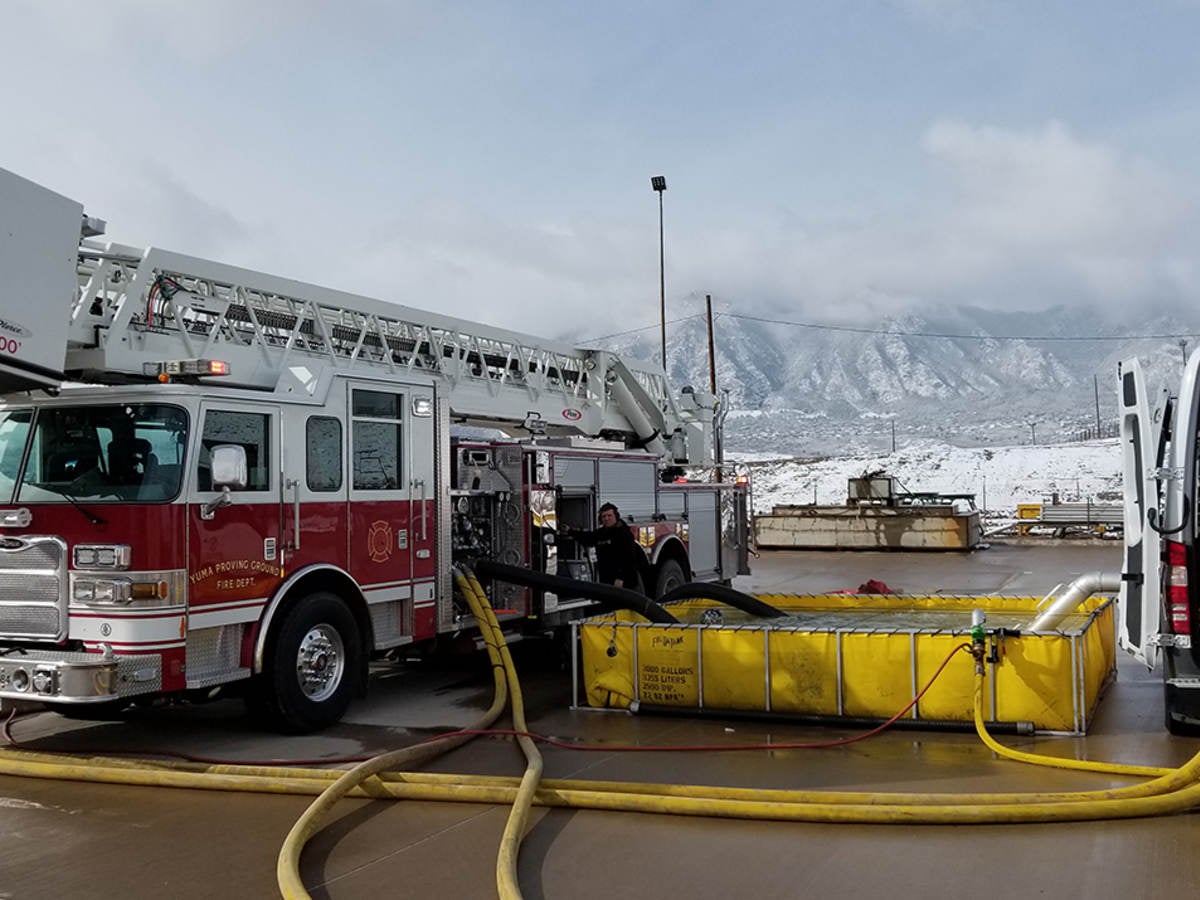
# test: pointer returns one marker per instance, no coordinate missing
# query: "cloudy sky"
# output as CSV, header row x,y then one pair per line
x,y
827,160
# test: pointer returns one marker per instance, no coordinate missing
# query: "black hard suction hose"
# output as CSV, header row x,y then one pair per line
x,y
605,594
705,591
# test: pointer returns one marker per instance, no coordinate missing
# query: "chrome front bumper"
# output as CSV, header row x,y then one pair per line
x,y
60,677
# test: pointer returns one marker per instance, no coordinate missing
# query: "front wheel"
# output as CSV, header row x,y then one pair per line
x,y
311,666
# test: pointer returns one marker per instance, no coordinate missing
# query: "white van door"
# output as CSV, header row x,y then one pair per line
x,y
1138,618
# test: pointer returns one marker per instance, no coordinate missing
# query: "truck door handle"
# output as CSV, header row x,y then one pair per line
x,y
1152,520
294,484
420,482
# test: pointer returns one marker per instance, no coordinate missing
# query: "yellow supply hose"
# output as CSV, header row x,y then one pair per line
x,y
514,829
287,866
1057,762
54,766
881,813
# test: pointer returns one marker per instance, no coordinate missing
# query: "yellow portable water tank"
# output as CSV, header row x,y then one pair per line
x,y
859,655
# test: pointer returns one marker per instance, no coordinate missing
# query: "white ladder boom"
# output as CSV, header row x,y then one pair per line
x,y
135,308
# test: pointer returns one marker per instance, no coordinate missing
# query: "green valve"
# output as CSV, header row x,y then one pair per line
x,y
978,632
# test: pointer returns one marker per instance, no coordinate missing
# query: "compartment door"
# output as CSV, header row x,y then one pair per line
x,y
1138,622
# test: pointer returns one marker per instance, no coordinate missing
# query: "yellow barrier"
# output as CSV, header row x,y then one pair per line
x,y
1028,511
854,655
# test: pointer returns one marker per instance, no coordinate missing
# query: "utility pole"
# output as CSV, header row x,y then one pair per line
x,y
712,353
1183,349
718,449
1096,388
1033,432
893,434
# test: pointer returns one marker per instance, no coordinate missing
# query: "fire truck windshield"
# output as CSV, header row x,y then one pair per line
x,y
118,453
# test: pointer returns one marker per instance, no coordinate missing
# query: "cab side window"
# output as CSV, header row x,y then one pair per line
x,y
323,453
251,431
376,436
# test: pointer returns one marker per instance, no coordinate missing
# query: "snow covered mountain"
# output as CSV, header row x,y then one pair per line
x,y
808,391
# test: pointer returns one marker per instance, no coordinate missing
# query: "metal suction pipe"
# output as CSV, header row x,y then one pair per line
x,y
1077,591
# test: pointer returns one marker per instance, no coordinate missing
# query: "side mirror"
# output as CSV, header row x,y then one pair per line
x,y
229,472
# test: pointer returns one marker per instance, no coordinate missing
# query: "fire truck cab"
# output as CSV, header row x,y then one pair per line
x,y
213,477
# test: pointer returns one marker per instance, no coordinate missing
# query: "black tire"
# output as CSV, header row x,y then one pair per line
x,y
1176,726
670,576
311,668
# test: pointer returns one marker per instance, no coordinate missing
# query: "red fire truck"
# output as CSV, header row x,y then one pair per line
x,y
211,476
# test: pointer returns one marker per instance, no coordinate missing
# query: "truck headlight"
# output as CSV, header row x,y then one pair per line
x,y
105,591
136,589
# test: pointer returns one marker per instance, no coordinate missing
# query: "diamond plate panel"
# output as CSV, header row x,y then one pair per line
x,y
214,654
386,621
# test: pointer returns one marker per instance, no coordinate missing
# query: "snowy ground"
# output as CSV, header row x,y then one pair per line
x,y
1000,477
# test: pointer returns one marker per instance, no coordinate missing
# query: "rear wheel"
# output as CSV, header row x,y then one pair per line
x,y
1181,719
1180,729
311,667
670,576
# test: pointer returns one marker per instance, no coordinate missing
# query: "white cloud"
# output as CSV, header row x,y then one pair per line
x,y
944,13
1013,219
197,31
1046,188
435,158
544,278
1044,199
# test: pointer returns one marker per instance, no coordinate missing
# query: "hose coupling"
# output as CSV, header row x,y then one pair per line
x,y
978,639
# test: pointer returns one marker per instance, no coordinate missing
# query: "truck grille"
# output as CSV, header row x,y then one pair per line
x,y
33,595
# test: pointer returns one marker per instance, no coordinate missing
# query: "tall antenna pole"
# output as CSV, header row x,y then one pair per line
x,y
659,183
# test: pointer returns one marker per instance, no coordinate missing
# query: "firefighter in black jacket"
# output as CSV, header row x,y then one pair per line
x,y
619,558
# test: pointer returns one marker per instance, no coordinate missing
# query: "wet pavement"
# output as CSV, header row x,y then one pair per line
x,y
61,839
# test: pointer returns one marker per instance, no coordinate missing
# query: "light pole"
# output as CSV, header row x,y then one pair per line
x,y
659,183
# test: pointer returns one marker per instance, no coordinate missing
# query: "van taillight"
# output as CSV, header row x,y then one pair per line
x,y
1177,589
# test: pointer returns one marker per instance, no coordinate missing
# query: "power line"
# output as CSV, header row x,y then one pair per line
x,y
605,337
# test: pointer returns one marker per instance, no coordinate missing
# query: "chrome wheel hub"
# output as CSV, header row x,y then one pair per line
x,y
321,662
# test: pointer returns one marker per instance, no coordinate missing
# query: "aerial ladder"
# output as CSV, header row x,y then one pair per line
x,y
133,308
